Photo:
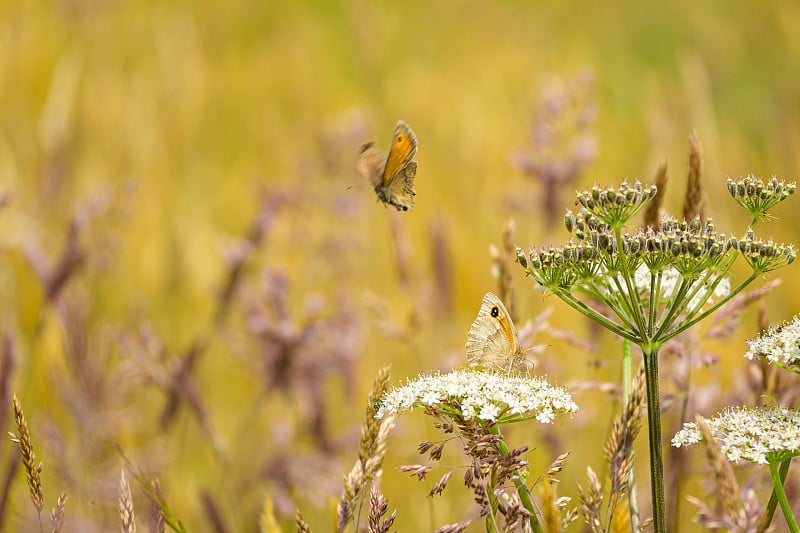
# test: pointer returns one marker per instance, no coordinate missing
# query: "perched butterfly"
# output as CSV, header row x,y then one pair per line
x,y
392,175
492,341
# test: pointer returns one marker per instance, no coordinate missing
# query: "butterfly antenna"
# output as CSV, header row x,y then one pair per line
x,y
535,347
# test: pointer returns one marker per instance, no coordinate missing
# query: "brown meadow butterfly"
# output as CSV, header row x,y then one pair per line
x,y
392,175
492,341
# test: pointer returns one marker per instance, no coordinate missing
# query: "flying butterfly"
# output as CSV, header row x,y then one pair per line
x,y
392,175
492,341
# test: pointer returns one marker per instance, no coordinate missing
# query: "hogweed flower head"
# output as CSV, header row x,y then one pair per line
x,y
656,281
779,345
493,397
758,197
760,435
647,277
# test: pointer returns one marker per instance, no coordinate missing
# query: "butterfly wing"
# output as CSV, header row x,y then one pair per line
x,y
371,163
492,341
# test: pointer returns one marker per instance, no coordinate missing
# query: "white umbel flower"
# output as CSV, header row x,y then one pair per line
x,y
760,435
778,345
486,395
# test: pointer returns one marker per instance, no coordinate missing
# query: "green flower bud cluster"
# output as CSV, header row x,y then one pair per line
x,y
764,256
616,206
758,197
691,248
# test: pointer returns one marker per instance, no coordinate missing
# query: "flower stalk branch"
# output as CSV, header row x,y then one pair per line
x,y
780,494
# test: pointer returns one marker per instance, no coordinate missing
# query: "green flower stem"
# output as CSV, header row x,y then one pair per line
x,y
674,307
626,303
519,482
697,285
689,323
692,318
655,290
627,379
720,274
584,309
654,435
633,291
787,368
627,371
491,524
609,286
777,485
766,520
614,305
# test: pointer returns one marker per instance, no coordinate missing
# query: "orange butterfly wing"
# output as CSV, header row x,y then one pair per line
x,y
403,150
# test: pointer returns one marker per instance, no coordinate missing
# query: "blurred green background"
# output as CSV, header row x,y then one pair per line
x,y
159,131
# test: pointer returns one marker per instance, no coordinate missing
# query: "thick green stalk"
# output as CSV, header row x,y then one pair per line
x,y
522,489
654,435
766,520
781,495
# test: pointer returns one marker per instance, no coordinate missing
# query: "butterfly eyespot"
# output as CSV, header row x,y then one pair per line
x,y
495,312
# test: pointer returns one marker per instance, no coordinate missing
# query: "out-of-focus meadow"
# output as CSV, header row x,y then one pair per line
x,y
194,271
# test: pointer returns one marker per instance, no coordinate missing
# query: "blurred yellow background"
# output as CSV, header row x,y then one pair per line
x,y
159,131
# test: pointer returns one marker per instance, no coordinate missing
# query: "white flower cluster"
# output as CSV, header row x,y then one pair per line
x,y
486,395
670,280
777,345
760,435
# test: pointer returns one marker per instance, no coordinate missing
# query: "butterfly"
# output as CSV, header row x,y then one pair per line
x,y
492,341
392,175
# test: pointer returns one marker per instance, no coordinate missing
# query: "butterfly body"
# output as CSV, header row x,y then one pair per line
x,y
392,175
492,341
